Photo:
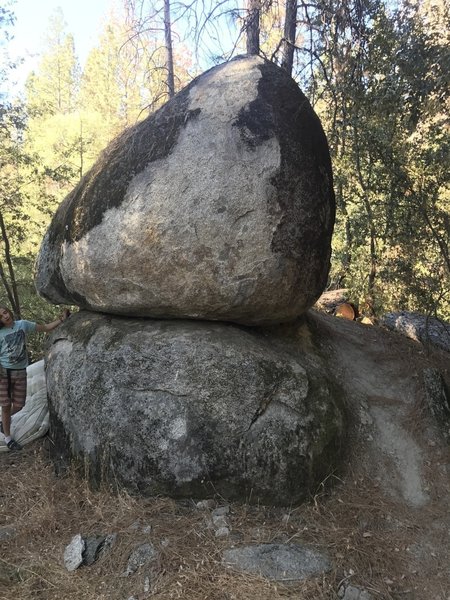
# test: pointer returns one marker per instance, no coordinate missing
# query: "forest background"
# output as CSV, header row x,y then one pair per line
x,y
376,72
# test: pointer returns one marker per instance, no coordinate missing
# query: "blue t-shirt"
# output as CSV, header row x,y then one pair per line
x,y
13,351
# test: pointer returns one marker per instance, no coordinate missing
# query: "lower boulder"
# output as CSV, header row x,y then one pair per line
x,y
190,409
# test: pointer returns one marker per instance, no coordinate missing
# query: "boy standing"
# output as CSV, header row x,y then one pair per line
x,y
13,364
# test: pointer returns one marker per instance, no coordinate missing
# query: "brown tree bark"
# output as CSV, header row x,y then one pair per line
x,y
169,49
11,285
290,29
252,27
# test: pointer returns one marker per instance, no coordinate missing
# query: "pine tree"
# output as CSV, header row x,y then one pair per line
x,y
53,87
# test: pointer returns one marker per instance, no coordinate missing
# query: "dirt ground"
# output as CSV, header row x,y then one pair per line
x,y
385,521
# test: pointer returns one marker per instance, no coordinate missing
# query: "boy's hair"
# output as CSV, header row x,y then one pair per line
x,y
10,314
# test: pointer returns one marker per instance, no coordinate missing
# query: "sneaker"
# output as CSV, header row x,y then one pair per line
x,y
14,446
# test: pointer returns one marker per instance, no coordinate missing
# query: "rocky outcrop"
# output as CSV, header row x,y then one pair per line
x,y
424,329
191,409
219,206
330,300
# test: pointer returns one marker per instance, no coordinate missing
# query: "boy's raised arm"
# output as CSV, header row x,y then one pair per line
x,y
50,326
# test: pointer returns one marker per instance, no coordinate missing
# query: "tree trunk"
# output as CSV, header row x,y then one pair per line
x,y
290,29
81,150
252,27
370,300
11,285
169,50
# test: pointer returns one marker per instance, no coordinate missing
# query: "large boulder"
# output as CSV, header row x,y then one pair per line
x,y
219,206
190,409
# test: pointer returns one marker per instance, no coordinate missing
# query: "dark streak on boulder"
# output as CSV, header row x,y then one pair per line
x,y
282,110
104,186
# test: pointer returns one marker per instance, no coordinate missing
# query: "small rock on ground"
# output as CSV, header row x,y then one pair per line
x,y
278,562
142,555
352,592
73,554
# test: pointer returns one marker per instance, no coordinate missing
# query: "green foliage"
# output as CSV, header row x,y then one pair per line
x,y
113,87
25,199
381,86
53,88
53,124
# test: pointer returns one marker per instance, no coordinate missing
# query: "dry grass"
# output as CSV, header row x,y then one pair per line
x,y
370,539
374,541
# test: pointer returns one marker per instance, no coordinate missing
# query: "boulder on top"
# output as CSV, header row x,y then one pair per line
x,y
191,409
219,206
